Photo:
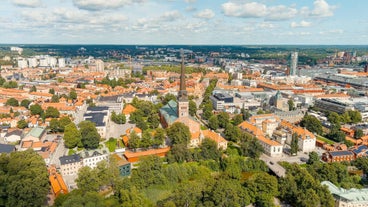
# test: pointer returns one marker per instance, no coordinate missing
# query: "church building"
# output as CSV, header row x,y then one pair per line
x,y
178,111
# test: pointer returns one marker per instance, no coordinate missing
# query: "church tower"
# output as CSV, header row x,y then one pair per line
x,y
183,103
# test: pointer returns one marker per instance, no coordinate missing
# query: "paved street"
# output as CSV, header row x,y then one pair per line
x,y
273,165
116,130
59,152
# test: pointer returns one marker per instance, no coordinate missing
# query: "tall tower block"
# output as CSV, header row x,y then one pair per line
x,y
183,103
293,63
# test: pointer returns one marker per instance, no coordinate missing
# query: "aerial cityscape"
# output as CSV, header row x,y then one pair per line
x,y
174,103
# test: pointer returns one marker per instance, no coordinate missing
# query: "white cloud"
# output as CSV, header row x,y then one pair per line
x,y
170,16
258,10
334,31
300,24
190,9
95,5
266,25
190,1
27,3
247,10
281,12
322,9
205,14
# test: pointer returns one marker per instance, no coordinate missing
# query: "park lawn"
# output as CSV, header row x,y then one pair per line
x,y
328,141
158,192
111,144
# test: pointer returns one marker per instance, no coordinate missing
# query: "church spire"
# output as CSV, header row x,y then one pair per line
x,y
183,95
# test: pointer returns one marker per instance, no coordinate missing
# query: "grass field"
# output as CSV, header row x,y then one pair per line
x,y
328,141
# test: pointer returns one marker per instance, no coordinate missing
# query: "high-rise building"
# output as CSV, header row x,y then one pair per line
x,y
32,62
183,103
293,63
22,63
61,62
100,67
52,62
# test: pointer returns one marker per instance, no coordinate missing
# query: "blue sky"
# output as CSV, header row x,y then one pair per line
x,y
215,22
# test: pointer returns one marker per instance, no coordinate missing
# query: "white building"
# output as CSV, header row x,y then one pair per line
x,y
91,158
100,66
44,62
22,63
32,62
52,61
70,165
61,62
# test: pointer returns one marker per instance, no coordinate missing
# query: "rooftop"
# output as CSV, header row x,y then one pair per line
x,y
69,159
352,195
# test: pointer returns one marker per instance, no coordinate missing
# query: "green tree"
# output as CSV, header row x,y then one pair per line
x,y
63,121
209,150
355,116
10,84
232,132
192,108
146,140
250,147
88,180
12,102
158,137
54,125
178,133
55,98
136,116
52,91
213,122
223,119
33,89
148,173
27,179
2,81
229,193
21,124
312,124
246,114
294,144
179,153
73,94
334,118
134,141
153,120
90,136
52,112
207,110
291,104
118,118
358,133
36,109
335,134
262,188
313,158
72,136
133,198
25,103
238,119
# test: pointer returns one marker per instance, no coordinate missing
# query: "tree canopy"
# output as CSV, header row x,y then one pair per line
x,y
90,137
24,176
178,133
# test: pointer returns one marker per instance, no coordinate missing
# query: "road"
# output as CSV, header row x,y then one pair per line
x,y
271,162
59,152
116,130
